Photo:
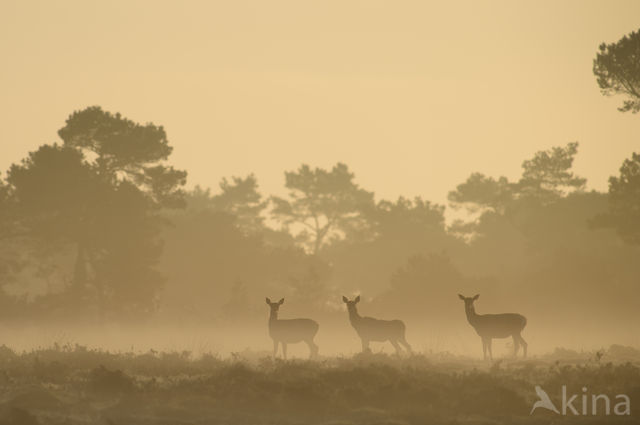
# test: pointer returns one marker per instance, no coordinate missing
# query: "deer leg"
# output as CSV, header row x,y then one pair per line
x,y
404,342
365,345
484,348
284,349
489,349
313,348
275,348
396,346
524,345
516,344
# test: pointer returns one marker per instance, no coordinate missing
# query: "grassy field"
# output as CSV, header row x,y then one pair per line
x,y
74,385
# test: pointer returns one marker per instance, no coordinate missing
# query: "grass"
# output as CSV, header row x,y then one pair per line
x,y
73,385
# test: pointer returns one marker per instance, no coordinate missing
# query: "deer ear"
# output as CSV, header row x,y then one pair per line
x,y
357,300
461,297
476,297
281,301
345,299
268,301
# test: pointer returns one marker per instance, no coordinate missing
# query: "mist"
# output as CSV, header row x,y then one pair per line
x,y
319,214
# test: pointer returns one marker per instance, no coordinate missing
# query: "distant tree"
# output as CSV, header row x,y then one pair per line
x,y
426,273
393,231
22,252
206,254
243,205
405,218
62,200
53,190
419,285
480,192
307,285
102,192
548,174
242,199
9,263
325,203
126,151
4,193
617,68
198,199
129,157
128,250
5,210
624,202
55,197
546,178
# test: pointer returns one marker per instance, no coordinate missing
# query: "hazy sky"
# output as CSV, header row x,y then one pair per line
x,y
413,96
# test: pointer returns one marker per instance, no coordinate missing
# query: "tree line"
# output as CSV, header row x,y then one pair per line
x,y
101,225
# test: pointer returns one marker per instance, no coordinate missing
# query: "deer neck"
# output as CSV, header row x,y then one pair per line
x,y
273,318
354,317
472,316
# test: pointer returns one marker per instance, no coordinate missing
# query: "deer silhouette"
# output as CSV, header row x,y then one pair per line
x,y
291,331
370,329
490,326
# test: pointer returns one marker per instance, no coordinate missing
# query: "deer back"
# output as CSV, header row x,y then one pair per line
x,y
379,330
293,330
499,325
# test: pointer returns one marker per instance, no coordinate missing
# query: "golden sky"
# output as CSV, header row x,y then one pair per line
x,y
412,95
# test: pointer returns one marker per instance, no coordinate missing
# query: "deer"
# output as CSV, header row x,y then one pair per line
x,y
290,331
490,326
370,329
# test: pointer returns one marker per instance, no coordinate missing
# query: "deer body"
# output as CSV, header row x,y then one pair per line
x,y
370,329
489,326
290,331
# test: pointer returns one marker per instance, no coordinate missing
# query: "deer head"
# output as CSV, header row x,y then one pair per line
x,y
468,301
274,306
351,305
